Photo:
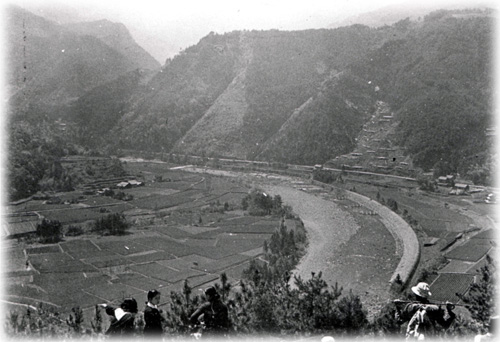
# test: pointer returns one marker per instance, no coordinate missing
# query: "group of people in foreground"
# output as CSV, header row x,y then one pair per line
x,y
423,318
213,315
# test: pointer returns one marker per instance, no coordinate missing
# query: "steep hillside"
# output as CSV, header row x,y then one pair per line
x,y
230,93
442,93
116,36
325,126
49,66
180,94
301,97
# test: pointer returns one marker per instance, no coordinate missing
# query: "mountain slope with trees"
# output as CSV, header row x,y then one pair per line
x,y
116,36
49,65
299,97
442,93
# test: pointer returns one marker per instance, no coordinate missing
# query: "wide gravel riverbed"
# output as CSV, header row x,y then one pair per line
x,y
328,228
351,249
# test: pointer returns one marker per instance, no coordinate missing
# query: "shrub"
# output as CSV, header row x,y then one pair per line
x,y
74,231
112,224
49,231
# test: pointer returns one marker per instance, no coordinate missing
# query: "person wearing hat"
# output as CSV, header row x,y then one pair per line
x,y
122,318
424,316
214,313
153,318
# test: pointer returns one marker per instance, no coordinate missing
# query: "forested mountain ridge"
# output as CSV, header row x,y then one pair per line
x,y
116,36
267,73
49,65
299,97
441,93
236,94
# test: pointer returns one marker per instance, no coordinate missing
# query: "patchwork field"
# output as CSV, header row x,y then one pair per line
x,y
189,227
162,251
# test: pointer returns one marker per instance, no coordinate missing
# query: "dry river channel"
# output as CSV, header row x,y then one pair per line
x,y
356,253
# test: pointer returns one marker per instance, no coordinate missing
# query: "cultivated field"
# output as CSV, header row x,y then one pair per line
x,y
184,227
189,225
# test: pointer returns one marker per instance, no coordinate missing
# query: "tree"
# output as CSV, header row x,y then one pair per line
x,y
392,204
442,168
49,231
482,295
112,224
425,183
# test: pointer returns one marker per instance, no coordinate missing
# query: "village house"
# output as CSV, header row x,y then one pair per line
x,y
459,189
448,180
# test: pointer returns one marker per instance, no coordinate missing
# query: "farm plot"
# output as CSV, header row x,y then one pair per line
x,y
37,205
158,243
117,208
79,248
70,281
190,261
150,257
486,242
123,247
109,261
196,243
232,198
202,280
217,252
181,185
478,265
43,250
73,299
238,243
161,202
469,252
72,215
195,230
145,191
112,292
16,260
157,271
62,266
19,291
447,284
197,203
487,234
221,264
456,266
252,229
139,281
94,255
172,232
242,220
96,201
237,271
209,234
254,252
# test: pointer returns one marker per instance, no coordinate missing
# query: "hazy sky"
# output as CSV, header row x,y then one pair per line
x,y
165,27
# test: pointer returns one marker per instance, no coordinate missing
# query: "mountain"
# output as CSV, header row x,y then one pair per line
x,y
230,93
391,14
50,65
117,37
303,97
416,92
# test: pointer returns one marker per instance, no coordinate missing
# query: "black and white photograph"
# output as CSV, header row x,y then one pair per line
x,y
283,171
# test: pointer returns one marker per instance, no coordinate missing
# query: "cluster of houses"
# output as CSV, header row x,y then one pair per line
x,y
457,188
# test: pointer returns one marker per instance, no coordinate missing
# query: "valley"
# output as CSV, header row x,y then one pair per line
x,y
275,165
